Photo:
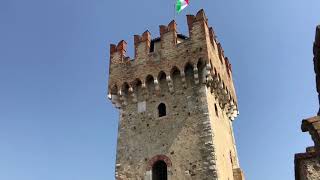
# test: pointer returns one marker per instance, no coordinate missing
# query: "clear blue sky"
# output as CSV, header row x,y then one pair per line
x,y
56,124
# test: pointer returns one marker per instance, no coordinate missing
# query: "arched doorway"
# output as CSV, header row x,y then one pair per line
x,y
159,171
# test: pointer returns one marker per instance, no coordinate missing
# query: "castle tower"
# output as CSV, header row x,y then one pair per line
x,y
307,164
177,103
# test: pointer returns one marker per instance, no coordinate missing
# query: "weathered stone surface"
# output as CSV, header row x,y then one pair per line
x,y
193,78
238,174
310,169
307,166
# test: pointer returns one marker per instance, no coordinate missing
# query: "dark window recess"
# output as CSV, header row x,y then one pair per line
x,y
159,171
152,46
216,109
231,158
162,111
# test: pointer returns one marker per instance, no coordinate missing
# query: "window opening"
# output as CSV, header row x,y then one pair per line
x,y
162,110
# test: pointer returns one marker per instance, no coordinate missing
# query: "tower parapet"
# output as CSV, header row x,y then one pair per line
x,y
158,59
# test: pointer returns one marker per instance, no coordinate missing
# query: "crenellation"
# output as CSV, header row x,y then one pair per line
x,y
113,49
118,54
196,22
142,46
168,40
172,27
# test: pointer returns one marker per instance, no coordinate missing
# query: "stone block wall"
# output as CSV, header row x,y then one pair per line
x,y
307,165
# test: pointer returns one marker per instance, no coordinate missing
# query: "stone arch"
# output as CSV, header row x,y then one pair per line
x,y
176,78
156,158
114,89
136,82
160,171
163,82
188,70
150,84
201,65
137,89
125,89
174,69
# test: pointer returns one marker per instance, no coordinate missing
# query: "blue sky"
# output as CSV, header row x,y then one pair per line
x,y
56,124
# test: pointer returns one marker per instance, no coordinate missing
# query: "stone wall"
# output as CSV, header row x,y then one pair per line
x,y
177,136
307,165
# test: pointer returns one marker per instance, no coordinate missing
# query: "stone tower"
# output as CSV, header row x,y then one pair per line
x,y
177,102
307,164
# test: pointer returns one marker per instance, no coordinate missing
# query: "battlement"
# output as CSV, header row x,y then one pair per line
x,y
170,58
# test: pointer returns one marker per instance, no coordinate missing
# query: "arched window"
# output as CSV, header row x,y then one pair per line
x,y
150,84
189,74
162,81
162,110
159,171
176,78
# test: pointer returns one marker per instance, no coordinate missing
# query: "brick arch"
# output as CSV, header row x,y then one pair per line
x,y
113,89
125,88
158,158
136,82
201,63
173,69
160,74
188,64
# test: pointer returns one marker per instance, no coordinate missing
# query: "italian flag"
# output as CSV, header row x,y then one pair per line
x,y
181,4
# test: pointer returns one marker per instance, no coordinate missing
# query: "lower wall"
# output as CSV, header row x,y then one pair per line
x,y
179,136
